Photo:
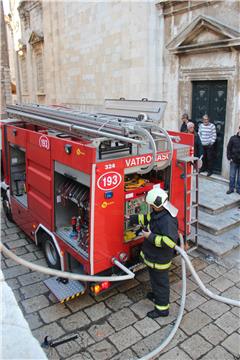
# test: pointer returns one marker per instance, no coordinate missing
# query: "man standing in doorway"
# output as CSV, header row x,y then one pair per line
x,y
233,154
208,136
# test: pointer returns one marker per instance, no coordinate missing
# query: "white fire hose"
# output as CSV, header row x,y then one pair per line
x,y
130,275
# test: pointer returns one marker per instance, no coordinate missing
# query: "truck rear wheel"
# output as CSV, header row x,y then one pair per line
x,y
51,253
6,207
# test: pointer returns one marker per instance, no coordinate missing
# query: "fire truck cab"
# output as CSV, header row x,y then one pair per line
x,y
70,178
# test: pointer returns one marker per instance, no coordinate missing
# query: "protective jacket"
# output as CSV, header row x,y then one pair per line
x,y
158,248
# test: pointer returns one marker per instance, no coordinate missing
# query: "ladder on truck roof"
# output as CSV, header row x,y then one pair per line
x,y
126,121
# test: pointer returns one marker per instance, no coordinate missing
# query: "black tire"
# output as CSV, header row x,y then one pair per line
x,y
50,252
7,207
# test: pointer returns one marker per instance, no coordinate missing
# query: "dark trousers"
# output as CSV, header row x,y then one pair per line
x,y
160,286
234,176
208,153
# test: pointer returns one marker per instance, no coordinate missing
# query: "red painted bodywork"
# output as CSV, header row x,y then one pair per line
x,y
107,229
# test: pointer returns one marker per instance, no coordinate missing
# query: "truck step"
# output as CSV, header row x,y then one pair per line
x,y
65,291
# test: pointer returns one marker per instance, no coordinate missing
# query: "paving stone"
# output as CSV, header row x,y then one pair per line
x,y
214,309
76,321
191,286
122,318
147,344
193,300
142,275
102,351
218,353
34,321
100,331
68,349
54,331
178,273
84,340
12,230
125,338
146,326
174,354
196,346
233,275
179,337
34,304
173,295
97,311
232,293
17,295
15,271
194,321
33,290
127,285
139,292
41,262
213,334
9,240
236,311
52,298
118,302
39,254
13,283
79,356
53,313
215,270
222,283
228,322
31,247
32,278
203,276
232,344
174,277
105,295
20,251
125,355
142,307
10,263
80,303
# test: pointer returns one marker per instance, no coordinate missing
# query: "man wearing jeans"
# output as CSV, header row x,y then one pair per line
x,y
207,134
233,154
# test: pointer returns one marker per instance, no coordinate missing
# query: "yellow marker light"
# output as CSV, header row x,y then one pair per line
x,y
97,289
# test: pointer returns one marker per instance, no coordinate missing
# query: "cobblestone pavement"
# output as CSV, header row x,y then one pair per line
x,y
115,326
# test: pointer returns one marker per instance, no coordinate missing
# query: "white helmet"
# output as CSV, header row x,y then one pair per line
x,y
158,197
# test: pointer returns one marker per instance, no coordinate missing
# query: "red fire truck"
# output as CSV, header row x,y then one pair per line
x,y
70,178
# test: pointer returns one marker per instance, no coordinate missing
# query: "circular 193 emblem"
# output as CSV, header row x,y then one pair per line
x,y
109,180
44,142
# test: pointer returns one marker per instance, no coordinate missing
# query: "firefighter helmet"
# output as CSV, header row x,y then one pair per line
x,y
158,198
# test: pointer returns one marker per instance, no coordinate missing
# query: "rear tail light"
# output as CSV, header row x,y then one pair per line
x,y
96,289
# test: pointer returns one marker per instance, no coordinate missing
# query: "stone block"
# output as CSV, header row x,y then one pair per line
x,y
32,278
100,331
13,283
193,300
126,354
143,275
125,338
203,276
232,344
175,354
52,330
215,270
218,353
33,290
127,285
13,230
31,247
228,322
213,334
191,286
20,251
80,303
194,321
102,351
139,292
35,303
196,346
11,243
54,312
98,311
232,293
142,307
147,344
146,326
233,275
221,283
122,318
76,321
118,302
214,309
34,321
84,340
15,271
68,349
105,295
79,356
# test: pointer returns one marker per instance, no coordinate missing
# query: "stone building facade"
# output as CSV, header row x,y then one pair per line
x,y
183,52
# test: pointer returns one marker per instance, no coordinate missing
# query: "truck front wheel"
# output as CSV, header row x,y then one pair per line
x,y
51,253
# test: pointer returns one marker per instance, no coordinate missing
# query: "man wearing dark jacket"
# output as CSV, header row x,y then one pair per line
x,y
233,154
161,235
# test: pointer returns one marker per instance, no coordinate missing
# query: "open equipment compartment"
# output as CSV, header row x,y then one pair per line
x,y
72,205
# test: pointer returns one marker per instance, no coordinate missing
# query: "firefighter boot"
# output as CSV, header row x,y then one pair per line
x,y
157,313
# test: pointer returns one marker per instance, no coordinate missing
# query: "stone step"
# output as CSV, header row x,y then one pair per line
x,y
219,245
213,198
219,223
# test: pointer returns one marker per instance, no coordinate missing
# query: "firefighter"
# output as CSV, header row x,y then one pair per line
x,y
160,229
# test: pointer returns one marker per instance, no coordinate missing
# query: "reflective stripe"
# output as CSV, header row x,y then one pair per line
x,y
169,242
148,227
155,265
141,219
158,241
148,216
166,307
